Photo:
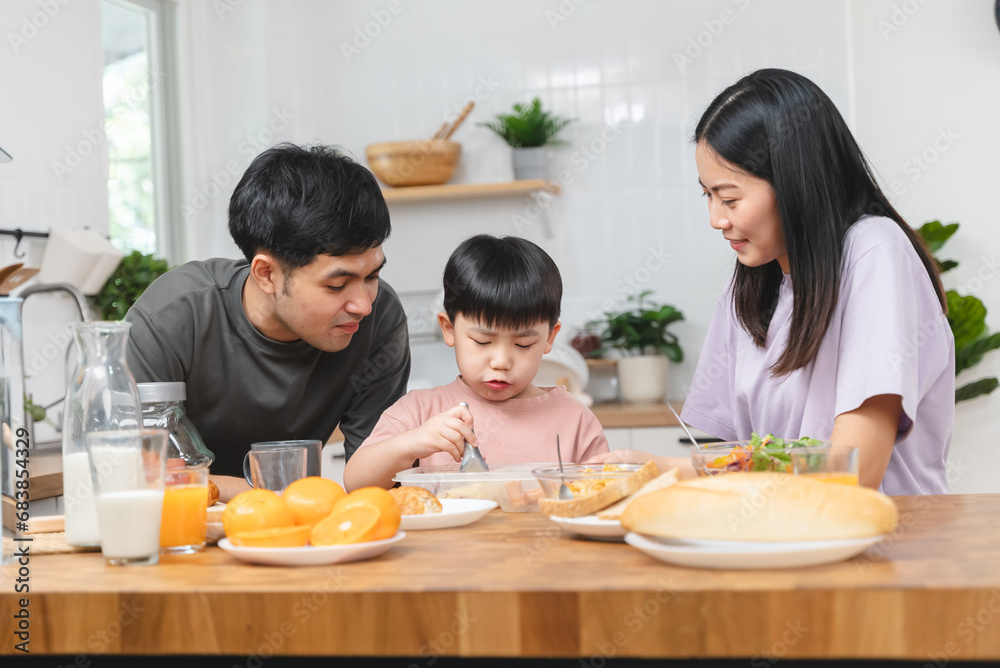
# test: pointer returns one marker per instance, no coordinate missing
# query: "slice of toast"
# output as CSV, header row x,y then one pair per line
x,y
614,511
616,489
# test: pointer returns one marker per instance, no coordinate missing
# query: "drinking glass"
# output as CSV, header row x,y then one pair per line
x,y
314,454
278,467
128,470
185,510
829,463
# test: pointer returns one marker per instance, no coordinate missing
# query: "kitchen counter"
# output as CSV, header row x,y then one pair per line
x,y
636,415
515,585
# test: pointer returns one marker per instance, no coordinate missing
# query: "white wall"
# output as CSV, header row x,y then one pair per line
x,y
927,89
51,120
605,63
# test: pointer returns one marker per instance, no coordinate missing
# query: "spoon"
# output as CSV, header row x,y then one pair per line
x,y
683,426
472,459
565,493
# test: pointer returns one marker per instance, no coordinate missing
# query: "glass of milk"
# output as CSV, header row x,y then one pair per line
x,y
128,469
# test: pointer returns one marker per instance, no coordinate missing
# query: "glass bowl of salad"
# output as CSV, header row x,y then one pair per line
x,y
760,453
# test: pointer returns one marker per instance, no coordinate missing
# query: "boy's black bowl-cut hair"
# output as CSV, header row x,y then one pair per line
x,y
505,282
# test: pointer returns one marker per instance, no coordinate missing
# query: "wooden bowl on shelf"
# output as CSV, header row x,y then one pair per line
x,y
426,162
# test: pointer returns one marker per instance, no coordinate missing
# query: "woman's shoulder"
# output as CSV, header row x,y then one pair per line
x,y
872,233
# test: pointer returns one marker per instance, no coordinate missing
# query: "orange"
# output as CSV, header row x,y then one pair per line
x,y
311,499
255,509
381,499
276,537
358,523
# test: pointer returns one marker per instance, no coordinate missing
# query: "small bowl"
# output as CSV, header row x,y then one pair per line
x,y
427,162
583,479
714,458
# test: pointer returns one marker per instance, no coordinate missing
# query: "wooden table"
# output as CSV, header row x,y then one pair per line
x,y
514,585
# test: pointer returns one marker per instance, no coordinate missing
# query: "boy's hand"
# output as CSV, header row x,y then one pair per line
x,y
446,432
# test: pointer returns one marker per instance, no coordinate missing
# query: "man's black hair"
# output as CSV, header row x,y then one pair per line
x,y
504,282
298,202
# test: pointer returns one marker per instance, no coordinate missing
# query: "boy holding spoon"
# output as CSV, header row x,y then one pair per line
x,y
501,314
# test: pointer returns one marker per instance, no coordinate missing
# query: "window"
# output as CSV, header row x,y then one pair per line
x,y
135,97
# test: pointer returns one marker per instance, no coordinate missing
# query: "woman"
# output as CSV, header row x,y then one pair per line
x,y
834,322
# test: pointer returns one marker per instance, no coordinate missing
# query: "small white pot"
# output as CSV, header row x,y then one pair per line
x,y
531,163
643,379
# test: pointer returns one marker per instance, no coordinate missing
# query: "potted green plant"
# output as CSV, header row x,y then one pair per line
x,y
966,316
134,274
639,334
528,130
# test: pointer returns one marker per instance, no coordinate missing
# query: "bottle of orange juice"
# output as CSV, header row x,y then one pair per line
x,y
185,498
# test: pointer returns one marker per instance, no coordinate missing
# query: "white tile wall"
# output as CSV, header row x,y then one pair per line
x,y
607,63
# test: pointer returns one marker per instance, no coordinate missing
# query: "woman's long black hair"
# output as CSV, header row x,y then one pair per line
x,y
780,126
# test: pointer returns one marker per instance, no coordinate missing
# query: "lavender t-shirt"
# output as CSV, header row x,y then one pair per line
x,y
888,335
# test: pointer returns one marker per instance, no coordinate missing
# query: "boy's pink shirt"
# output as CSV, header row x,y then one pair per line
x,y
515,431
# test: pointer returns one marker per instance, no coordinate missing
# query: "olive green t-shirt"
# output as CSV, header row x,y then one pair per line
x,y
243,387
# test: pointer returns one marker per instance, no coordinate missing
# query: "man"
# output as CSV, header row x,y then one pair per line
x,y
299,336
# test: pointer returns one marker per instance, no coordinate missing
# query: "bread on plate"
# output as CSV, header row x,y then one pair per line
x,y
415,501
612,490
761,506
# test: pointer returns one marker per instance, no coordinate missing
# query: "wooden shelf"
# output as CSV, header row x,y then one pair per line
x,y
636,415
460,191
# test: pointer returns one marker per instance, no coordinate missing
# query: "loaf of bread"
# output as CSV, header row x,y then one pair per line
x,y
615,510
415,501
615,489
761,507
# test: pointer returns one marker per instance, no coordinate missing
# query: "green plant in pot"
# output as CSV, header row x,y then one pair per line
x,y
134,274
528,130
966,316
639,333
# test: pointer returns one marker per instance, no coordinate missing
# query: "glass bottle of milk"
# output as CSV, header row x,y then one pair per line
x,y
101,396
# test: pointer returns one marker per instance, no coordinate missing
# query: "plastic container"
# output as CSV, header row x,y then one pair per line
x,y
512,486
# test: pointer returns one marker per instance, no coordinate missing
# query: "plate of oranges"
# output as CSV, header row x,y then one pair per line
x,y
313,522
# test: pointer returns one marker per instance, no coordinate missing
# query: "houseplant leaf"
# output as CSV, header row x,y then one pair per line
x,y
976,389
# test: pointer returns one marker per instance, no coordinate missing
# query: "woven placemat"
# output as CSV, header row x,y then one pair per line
x,y
47,543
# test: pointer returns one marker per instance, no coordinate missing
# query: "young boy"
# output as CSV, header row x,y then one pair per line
x,y
501,301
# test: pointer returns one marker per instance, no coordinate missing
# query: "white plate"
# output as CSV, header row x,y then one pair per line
x,y
310,555
454,513
745,555
591,526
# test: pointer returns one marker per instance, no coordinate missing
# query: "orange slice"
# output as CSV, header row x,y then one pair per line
x,y
360,523
381,499
277,537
